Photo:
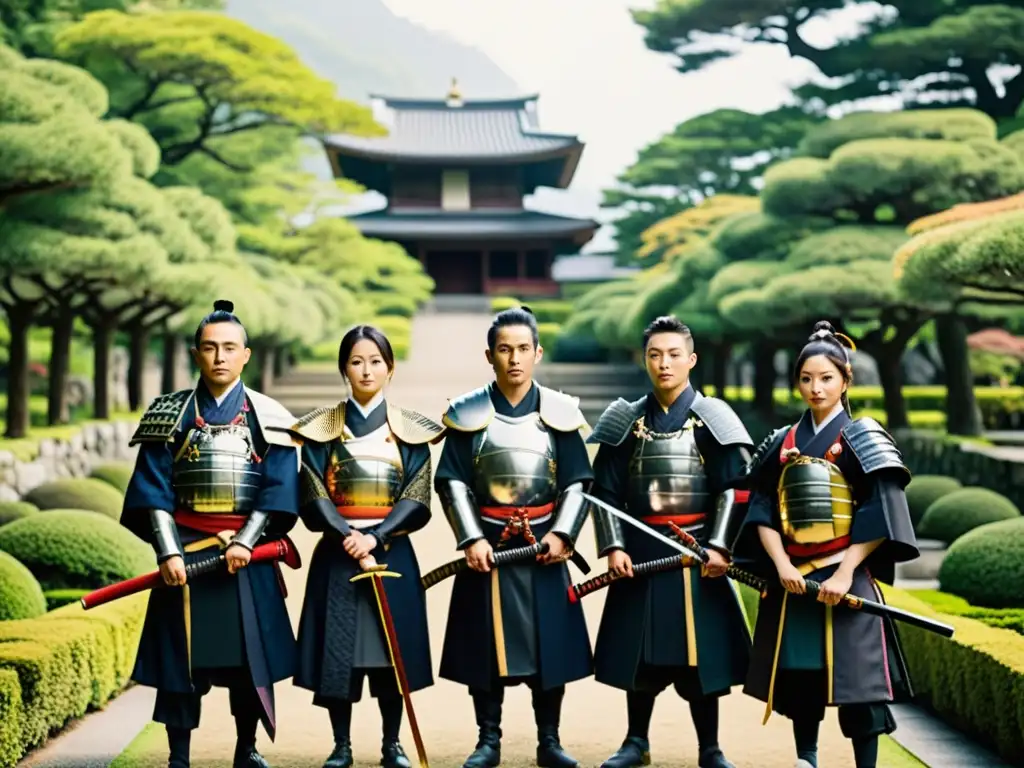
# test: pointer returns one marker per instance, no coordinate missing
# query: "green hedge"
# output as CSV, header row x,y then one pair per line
x,y
75,549
925,490
963,510
1003,618
974,680
986,566
59,666
78,493
15,510
21,597
116,473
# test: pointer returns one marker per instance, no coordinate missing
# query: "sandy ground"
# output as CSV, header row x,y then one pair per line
x,y
448,359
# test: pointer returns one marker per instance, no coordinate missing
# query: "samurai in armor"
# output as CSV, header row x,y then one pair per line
x,y
511,474
212,473
671,456
827,503
366,487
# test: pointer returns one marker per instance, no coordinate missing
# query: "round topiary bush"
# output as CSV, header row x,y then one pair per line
x,y
78,493
925,490
956,513
986,565
21,597
15,510
76,549
117,474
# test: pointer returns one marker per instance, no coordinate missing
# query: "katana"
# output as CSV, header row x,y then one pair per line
x,y
501,557
281,550
376,573
813,588
648,568
641,526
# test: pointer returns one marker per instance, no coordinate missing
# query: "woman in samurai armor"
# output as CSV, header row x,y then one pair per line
x,y
366,486
827,503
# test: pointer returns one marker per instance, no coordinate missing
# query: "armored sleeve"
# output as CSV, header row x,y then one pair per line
x,y
164,535
609,484
451,481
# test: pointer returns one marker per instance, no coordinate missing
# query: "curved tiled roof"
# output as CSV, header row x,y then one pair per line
x,y
485,129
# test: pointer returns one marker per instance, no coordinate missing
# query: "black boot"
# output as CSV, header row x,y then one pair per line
x,y
547,710
393,756
341,757
246,756
712,757
704,712
179,740
633,752
487,706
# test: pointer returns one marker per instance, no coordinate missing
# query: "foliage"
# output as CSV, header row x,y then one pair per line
x,y
968,677
15,510
117,474
78,493
194,77
1005,618
76,549
962,510
58,666
674,236
924,490
21,597
920,52
722,152
984,565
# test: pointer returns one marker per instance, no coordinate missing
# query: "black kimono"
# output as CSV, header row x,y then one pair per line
x,y
825,656
221,629
369,473
510,475
675,628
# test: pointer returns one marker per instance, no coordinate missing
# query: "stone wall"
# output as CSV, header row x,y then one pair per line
x,y
73,457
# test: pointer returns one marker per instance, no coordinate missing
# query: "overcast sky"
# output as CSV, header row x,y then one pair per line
x,y
595,77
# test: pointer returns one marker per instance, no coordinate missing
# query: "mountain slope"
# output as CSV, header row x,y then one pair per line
x,y
365,48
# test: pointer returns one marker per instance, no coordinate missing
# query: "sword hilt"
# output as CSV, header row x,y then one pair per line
x,y
662,564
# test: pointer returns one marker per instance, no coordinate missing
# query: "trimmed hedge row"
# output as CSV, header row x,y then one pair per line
x,y
59,666
974,680
1003,618
963,510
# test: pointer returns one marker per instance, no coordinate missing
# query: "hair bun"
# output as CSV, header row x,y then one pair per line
x,y
223,305
526,309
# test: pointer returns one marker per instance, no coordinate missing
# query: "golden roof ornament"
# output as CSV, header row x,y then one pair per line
x,y
454,97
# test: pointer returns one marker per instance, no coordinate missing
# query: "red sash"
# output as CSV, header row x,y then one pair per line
x,y
502,514
363,513
209,523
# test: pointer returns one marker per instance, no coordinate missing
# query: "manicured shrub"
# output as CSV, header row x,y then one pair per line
x,y
21,597
15,510
116,473
963,510
924,490
76,549
78,493
986,565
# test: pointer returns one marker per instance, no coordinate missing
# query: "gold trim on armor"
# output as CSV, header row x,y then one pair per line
x,y
321,425
691,625
775,659
499,626
829,653
418,489
822,562
805,472
412,428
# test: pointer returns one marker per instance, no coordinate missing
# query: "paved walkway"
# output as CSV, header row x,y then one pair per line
x,y
448,359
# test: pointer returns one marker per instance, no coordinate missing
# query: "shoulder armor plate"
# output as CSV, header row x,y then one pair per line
x,y
560,411
162,417
321,425
873,446
766,449
470,412
721,420
411,427
274,419
617,421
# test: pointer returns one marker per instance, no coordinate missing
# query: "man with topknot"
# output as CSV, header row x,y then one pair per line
x,y
215,471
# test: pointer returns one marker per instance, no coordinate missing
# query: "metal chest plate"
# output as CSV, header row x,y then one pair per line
x,y
215,470
365,471
514,462
815,501
666,474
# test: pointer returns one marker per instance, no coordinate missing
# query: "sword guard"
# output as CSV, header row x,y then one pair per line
x,y
375,569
